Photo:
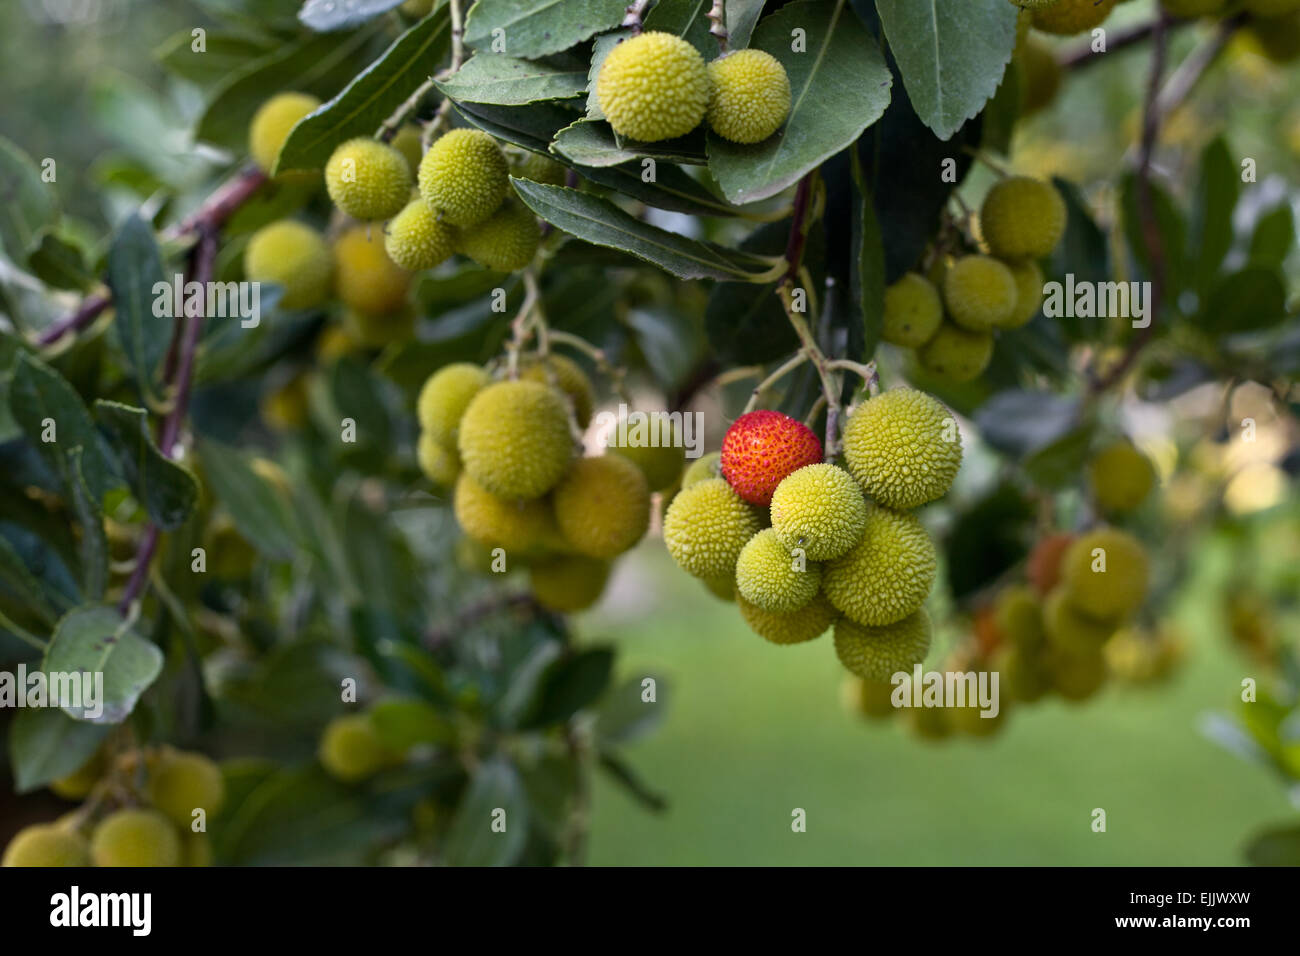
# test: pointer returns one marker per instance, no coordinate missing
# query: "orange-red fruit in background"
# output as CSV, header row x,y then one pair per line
x,y
985,626
1044,565
761,448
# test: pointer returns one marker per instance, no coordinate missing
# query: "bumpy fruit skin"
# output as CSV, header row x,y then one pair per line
x,y
769,577
661,464
980,293
1120,477
539,169
903,446
602,506
878,653
364,277
180,783
273,122
464,176
294,256
351,750
702,468
407,142
505,241
749,96
1120,588
653,87
913,311
1076,676
135,838
514,439
46,844
819,508
566,375
444,397
497,522
439,462
1068,17
1193,8
761,448
706,526
1040,76
1271,8
417,239
1043,568
791,627
885,576
567,584
367,180
1029,292
956,354
1019,617
867,698
1070,630
1022,218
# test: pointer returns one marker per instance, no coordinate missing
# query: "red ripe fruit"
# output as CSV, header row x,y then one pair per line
x,y
761,448
1044,565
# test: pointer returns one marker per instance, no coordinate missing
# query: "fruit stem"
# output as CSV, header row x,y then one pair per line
x,y
633,15
783,370
982,156
718,24
522,324
866,372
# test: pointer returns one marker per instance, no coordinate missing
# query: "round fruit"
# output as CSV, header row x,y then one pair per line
x,y
1120,477
969,719
724,588
364,277
749,95
1076,676
1070,630
273,122
602,506
515,440
652,87
351,749
1068,17
181,783
1043,568
374,330
439,462
913,311
295,257
196,849
497,522
539,169
1023,674
417,239
706,527
505,241
464,176
819,508
790,627
761,448
868,698
956,354
567,584
566,375
1040,76
980,293
885,576
661,464
770,577
368,180
135,838
76,785
1104,573
445,396
903,446
408,143
1138,656
702,468
1029,292
1022,218
46,844
929,723
1019,616
878,653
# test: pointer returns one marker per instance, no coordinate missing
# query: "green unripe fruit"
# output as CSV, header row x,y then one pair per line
x,y
417,239
789,627
539,169
819,508
867,698
1076,676
702,469
367,180
505,241
1040,76
956,354
652,87
408,143
1120,477
567,584
364,277
567,375
970,720
273,122
515,440
749,95
1104,573
1068,17
76,785
661,464
497,522
771,578
1019,616
135,838
913,311
885,576
904,447
440,464
602,506
1029,292
724,588
1071,630
980,293
293,256
351,749
46,844
1023,673
706,526
196,849
1022,218
464,176
180,783
929,723
375,330
445,396
878,653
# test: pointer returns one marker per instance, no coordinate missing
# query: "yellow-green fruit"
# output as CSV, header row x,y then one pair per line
x,y
1071,630
539,169
706,527
375,330
417,8
1068,17
505,241
702,469
867,698
295,257
417,239
196,849
514,439
661,464
1022,218
878,653
367,179
1277,38
1076,675
351,749
1193,8
1271,8
78,784
135,838
913,311
568,584
819,508
723,588
885,576
1022,673
602,506
653,87
903,446
439,462
1138,656
929,723
980,293
749,95
273,122
498,522
408,143
1019,616
771,578
789,627
1120,477
46,844
445,396
364,277
970,720
956,354
1040,76
566,375
473,556
1029,292
286,408
180,783
464,176
334,343
1104,573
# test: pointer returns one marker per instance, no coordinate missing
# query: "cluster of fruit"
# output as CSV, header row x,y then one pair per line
x,y
656,86
951,316
803,544
157,792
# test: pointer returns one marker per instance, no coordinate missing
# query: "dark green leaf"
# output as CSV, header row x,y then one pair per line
x,y
688,19
223,52
569,684
1215,198
18,578
254,504
1059,464
1082,252
1273,239
134,269
624,716
96,639
28,206
746,321
326,15
1018,422
60,263
741,17
46,744
1244,301
504,80
406,722
593,143
167,491
531,28
93,546
987,539
491,823
1169,225
867,263
550,785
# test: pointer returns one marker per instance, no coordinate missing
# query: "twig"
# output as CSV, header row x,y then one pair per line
x,y
783,370
633,16
798,228
1085,55
437,637
718,24
89,310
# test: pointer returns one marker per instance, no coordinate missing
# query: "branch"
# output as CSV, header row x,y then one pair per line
x,y
90,309
437,637
1085,55
785,369
634,15
718,24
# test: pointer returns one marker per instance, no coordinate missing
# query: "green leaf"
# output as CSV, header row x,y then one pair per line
x,y
1279,846
987,539
868,263
495,799
551,784
531,28
59,263
326,15
254,504
688,19
1003,110
1273,239
592,143
1215,198
46,744
1059,464
1172,230
134,269
1244,301
601,223
569,684
369,99
952,55
95,639
741,17
168,492
745,321
93,546
18,578
838,87
28,205
406,722
507,81
1083,251
224,52
624,716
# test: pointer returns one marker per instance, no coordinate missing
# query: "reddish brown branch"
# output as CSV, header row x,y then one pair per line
x,y
90,309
